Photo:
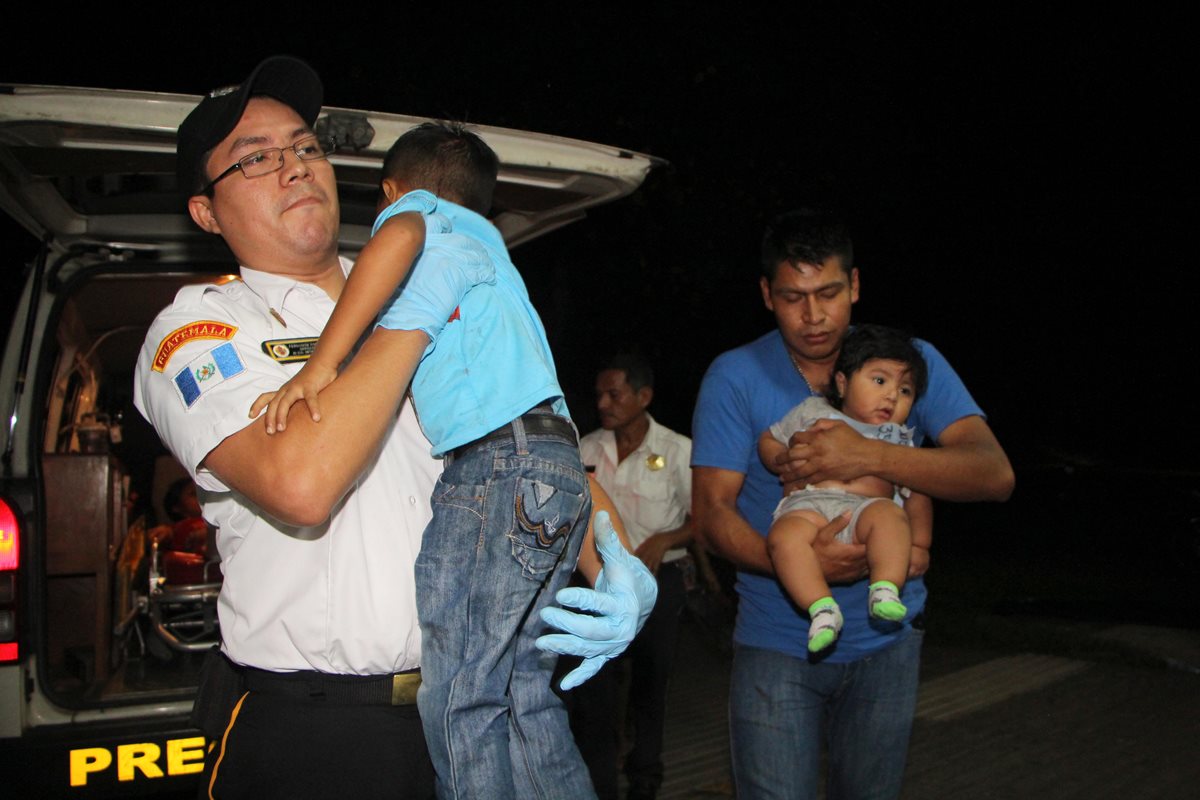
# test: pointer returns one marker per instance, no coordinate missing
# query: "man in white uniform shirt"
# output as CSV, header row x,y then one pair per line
x,y
645,468
318,529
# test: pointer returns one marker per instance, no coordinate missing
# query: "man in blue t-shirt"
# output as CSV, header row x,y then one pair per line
x,y
865,688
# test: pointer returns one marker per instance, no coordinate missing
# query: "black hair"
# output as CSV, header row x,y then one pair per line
x,y
172,497
447,159
636,368
806,236
866,342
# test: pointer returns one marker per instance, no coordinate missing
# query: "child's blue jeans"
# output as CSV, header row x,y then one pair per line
x,y
508,518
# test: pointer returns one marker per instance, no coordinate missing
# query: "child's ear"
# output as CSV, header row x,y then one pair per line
x,y
839,380
392,190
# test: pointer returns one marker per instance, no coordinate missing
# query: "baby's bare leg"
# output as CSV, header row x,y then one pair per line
x,y
883,527
790,545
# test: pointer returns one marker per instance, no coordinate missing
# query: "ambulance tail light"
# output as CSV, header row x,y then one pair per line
x,y
10,540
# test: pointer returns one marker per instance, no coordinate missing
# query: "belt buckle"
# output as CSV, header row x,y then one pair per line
x,y
404,688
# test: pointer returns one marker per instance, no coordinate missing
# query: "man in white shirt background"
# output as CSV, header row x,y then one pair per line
x,y
645,469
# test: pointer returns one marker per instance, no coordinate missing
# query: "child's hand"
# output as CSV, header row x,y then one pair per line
x,y
305,385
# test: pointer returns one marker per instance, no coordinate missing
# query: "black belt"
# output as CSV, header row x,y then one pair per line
x,y
536,423
399,689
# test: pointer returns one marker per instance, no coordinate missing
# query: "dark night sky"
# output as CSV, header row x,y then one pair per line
x,y
1015,181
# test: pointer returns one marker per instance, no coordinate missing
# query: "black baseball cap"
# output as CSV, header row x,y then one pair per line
x,y
283,78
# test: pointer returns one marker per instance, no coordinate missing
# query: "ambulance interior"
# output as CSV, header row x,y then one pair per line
x,y
131,572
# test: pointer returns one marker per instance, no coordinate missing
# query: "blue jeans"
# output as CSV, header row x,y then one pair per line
x,y
508,520
781,708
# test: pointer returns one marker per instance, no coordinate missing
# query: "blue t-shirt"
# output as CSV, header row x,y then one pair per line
x,y
491,362
743,393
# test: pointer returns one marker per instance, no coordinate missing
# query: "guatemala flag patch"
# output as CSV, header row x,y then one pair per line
x,y
208,371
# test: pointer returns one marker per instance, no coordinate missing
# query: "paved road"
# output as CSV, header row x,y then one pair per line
x,y
1010,707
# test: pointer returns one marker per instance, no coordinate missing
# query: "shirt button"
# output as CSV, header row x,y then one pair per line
x,y
412,501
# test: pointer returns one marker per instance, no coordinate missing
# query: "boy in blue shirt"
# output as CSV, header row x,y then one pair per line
x,y
511,507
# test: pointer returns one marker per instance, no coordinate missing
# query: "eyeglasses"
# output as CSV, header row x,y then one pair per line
x,y
264,162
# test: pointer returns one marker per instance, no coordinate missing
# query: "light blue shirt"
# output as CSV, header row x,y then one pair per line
x,y
491,362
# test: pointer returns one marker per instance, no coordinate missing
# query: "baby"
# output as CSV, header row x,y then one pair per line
x,y
878,376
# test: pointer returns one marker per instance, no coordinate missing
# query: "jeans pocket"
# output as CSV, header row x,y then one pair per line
x,y
468,498
543,517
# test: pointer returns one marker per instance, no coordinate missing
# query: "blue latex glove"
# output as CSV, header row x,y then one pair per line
x,y
624,596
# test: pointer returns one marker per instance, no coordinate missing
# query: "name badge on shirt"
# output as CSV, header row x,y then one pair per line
x,y
207,372
655,462
287,351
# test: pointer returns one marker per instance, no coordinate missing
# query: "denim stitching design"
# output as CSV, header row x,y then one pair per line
x,y
453,494
548,531
538,544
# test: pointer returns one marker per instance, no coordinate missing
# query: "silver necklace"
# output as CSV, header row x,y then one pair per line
x,y
803,377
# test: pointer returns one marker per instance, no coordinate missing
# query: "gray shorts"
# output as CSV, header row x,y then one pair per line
x,y
829,503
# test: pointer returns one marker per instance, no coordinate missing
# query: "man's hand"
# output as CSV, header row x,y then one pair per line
x,y
828,451
304,385
624,596
652,550
918,562
967,465
840,562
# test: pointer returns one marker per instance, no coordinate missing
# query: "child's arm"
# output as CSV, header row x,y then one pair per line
x,y
920,519
589,557
380,268
770,449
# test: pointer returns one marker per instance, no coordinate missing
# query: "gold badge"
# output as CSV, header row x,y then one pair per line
x,y
655,462
288,351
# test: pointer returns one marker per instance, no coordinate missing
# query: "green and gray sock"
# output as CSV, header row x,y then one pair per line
x,y
885,602
825,625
